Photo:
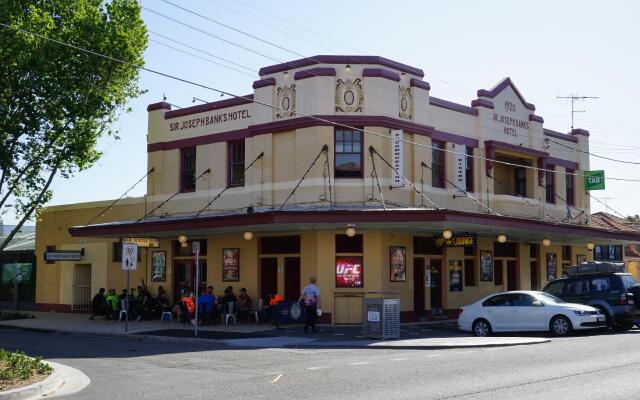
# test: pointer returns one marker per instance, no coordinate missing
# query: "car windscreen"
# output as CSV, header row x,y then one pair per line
x,y
628,281
548,298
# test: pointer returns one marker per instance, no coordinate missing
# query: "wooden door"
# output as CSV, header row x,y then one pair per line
x,y
512,275
292,278
268,276
418,286
435,265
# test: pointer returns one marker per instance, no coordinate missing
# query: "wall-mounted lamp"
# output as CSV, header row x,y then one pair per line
x,y
350,231
546,242
502,238
591,246
447,234
183,240
347,68
247,235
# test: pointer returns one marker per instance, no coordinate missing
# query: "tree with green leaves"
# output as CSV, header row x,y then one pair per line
x,y
56,101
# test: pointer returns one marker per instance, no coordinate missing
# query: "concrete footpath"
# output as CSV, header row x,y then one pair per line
x,y
424,335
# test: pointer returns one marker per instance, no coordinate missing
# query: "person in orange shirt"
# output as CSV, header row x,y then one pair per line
x,y
274,299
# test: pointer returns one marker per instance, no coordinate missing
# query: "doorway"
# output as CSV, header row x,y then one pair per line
x,y
512,275
534,275
268,276
435,267
81,287
418,287
292,278
185,276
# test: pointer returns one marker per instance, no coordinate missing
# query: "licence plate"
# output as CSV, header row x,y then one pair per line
x,y
601,319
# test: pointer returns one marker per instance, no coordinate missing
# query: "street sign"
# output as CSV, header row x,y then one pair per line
x,y
594,180
195,247
143,242
460,156
129,257
63,255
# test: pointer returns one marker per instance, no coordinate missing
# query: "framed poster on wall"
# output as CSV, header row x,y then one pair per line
x,y
158,266
230,265
455,275
552,266
486,266
397,264
349,272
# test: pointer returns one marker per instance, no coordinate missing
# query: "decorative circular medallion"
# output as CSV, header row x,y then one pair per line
x,y
286,103
295,311
349,97
404,104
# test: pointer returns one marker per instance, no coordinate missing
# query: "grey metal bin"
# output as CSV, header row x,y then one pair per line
x,y
381,315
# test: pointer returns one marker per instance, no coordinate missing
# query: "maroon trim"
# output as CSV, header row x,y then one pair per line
x,y
434,101
536,118
578,131
299,123
313,72
419,84
441,179
541,171
453,138
229,159
558,135
500,87
345,216
334,59
513,147
215,105
264,83
159,106
551,187
325,318
563,163
53,307
362,147
381,73
482,103
180,177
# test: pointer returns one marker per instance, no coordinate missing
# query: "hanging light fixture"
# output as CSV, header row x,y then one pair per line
x,y
502,238
347,68
591,245
546,242
447,234
182,238
350,231
247,235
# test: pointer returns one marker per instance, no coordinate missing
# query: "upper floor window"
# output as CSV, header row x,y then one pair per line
x,y
188,169
236,163
570,179
520,174
348,154
469,169
437,164
550,184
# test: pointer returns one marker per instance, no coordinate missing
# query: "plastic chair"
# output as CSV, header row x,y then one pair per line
x,y
256,313
164,314
123,310
229,313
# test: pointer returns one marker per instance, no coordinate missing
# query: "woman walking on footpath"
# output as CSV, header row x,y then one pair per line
x,y
311,297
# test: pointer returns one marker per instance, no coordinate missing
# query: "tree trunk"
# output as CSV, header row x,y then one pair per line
x,y
29,213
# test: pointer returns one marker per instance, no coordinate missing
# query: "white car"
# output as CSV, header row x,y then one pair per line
x,y
527,311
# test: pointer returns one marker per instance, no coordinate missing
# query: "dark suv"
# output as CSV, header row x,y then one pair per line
x,y
614,293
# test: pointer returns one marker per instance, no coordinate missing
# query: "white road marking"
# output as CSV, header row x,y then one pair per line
x,y
361,363
495,348
277,378
434,355
316,368
400,359
465,352
338,334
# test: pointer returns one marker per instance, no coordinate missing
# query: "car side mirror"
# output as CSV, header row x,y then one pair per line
x,y
537,303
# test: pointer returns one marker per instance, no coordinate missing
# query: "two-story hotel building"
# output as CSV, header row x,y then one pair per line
x,y
347,169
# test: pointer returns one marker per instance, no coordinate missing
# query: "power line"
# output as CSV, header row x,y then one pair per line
x,y
315,118
594,155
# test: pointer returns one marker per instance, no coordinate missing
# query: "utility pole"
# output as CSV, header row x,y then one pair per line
x,y
575,98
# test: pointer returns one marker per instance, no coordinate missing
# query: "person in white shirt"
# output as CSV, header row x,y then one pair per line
x,y
311,297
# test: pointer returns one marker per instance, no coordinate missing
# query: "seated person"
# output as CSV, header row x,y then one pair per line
x,y
244,304
99,305
113,303
188,306
162,299
206,304
229,297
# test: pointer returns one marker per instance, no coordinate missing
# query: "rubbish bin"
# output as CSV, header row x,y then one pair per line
x,y
381,315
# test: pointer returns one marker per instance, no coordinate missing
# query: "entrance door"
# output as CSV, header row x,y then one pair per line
x,y
184,277
81,287
418,286
268,276
435,266
512,275
292,278
534,275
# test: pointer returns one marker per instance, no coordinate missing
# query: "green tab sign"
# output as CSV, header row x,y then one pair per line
x,y
594,180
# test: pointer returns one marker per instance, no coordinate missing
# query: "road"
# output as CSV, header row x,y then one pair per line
x,y
585,367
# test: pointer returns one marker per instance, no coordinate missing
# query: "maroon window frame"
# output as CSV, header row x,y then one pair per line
x,y
550,184
571,192
187,169
438,170
469,169
348,148
235,163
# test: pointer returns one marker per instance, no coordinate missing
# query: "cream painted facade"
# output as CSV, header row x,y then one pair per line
x,y
313,98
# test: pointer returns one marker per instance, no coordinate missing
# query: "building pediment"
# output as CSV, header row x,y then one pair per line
x,y
503,85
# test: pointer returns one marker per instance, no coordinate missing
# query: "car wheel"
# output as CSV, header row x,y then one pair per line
x,y
481,328
560,325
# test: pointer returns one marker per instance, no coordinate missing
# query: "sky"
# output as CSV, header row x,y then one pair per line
x,y
548,48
